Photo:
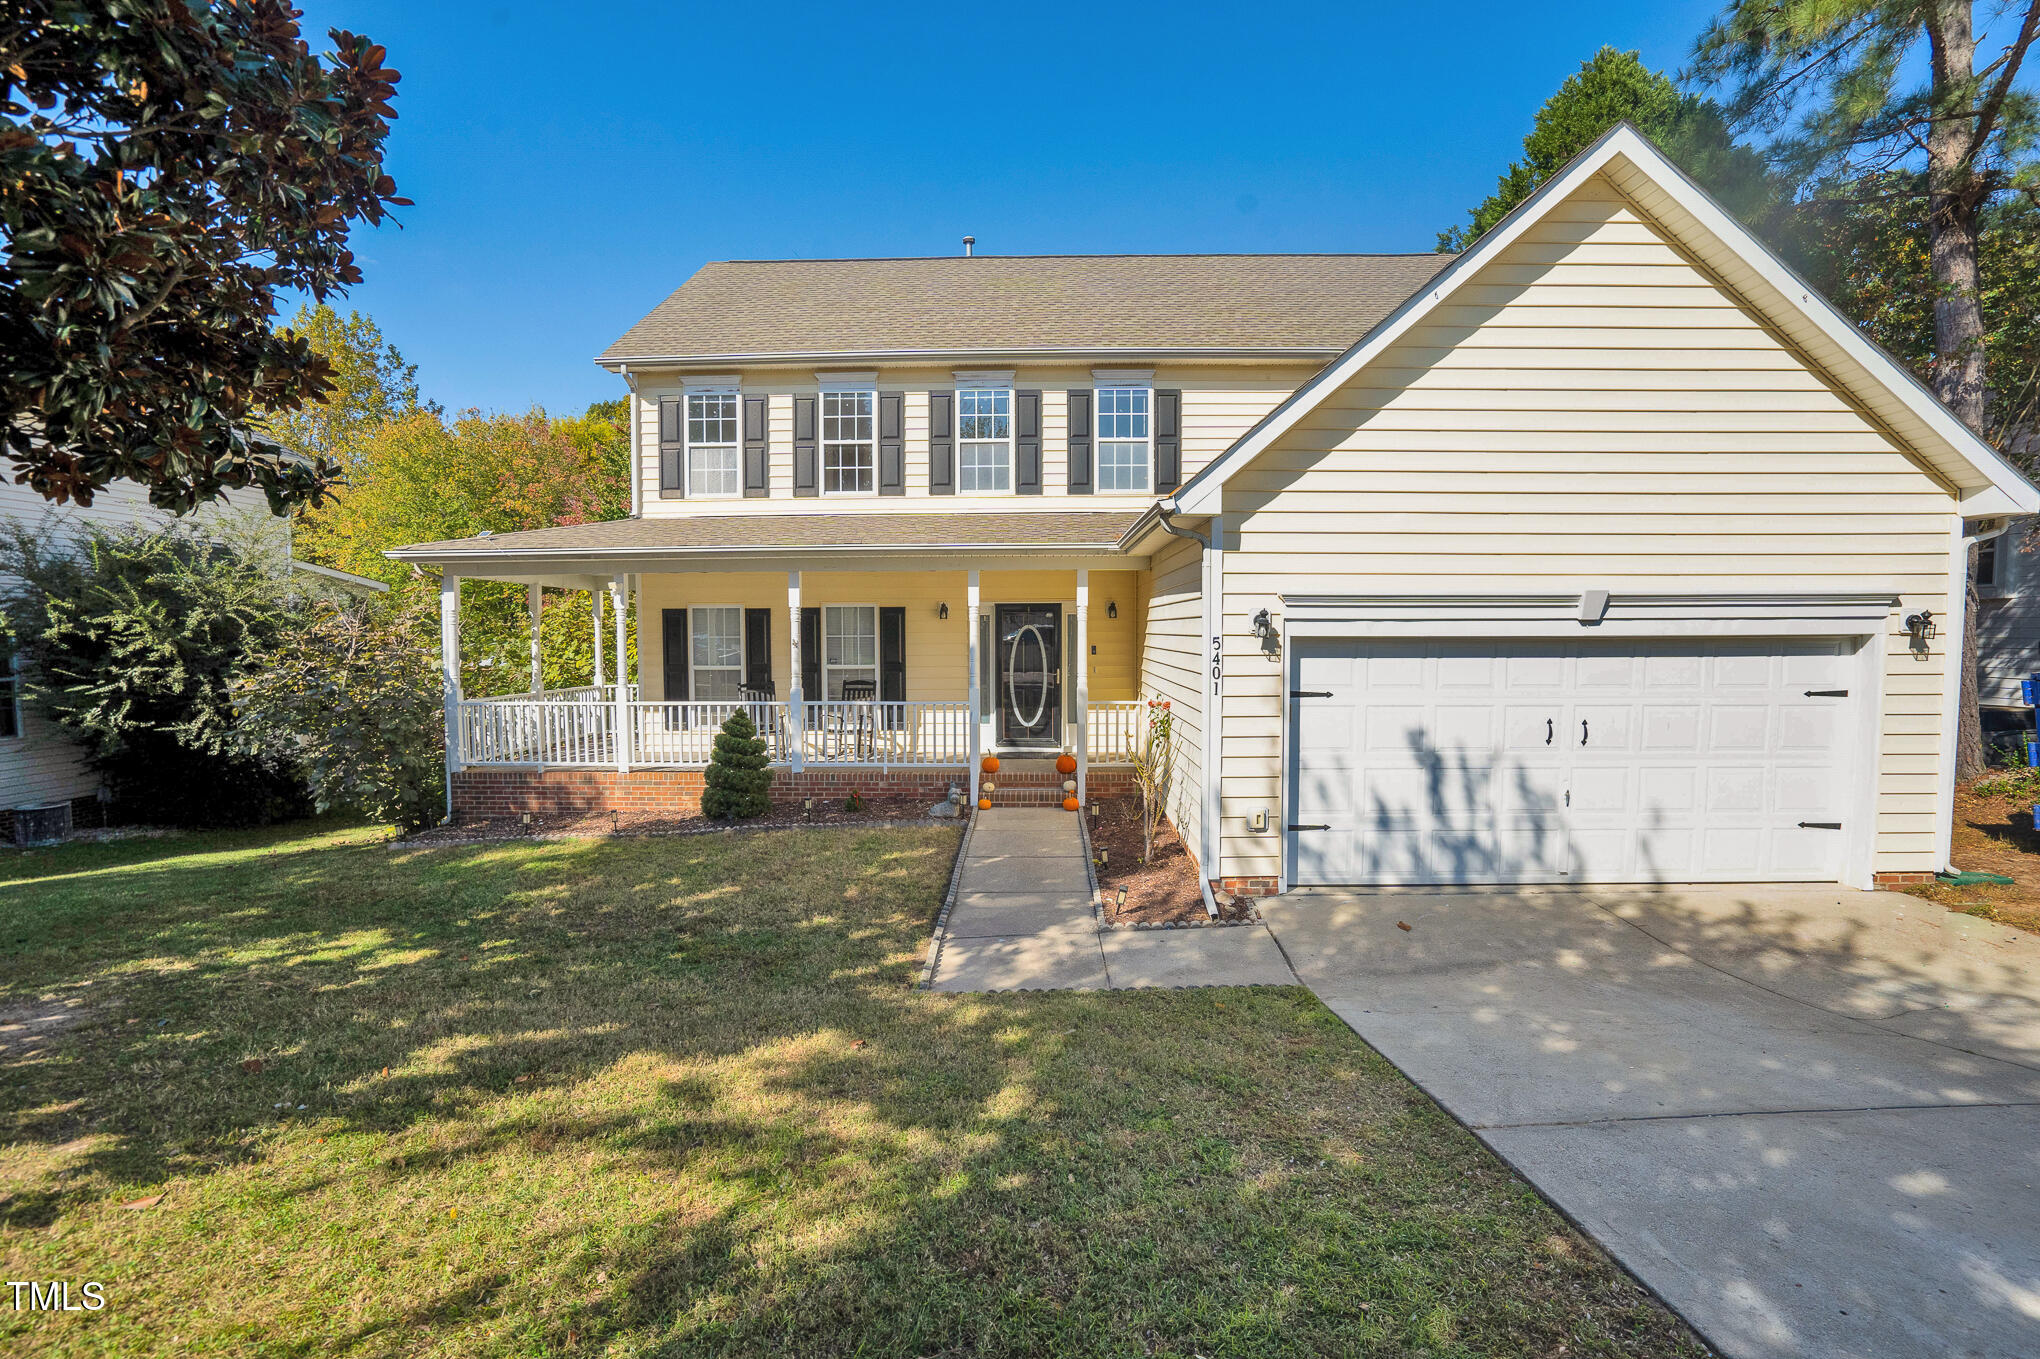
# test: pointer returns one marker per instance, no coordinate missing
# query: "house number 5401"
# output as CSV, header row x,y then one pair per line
x,y
1217,663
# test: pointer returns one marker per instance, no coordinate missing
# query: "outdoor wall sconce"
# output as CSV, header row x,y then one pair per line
x,y
1921,626
942,611
1112,608
1264,626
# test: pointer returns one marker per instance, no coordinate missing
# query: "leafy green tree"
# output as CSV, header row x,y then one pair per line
x,y
739,775
131,641
350,697
1835,82
166,167
372,385
1609,88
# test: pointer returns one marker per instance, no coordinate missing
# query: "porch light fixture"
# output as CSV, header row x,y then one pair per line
x,y
1112,608
1921,626
1264,626
942,611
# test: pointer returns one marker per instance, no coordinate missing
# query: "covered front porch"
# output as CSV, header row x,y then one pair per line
x,y
866,674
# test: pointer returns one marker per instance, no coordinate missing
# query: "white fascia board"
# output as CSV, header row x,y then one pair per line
x,y
2003,489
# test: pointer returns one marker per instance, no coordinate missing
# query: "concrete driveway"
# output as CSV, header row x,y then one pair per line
x,y
1808,1117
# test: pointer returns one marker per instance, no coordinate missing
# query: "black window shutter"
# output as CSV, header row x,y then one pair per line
x,y
1027,443
892,658
892,456
672,445
1080,443
757,451
1168,440
987,663
758,651
811,656
805,479
942,443
673,641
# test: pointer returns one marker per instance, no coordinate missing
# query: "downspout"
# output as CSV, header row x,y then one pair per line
x,y
630,426
1957,644
1207,832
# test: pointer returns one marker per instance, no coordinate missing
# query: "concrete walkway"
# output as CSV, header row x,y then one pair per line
x,y
1023,921
1808,1117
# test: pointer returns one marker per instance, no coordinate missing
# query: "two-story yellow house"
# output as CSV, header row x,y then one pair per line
x,y
1607,551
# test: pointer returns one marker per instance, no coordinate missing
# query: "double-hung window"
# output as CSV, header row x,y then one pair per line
x,y
849,647
1987,564
714,465
717,647
10,691
849,445
984,440
1125,438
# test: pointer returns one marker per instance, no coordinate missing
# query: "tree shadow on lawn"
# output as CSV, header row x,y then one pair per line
x,y
679,1096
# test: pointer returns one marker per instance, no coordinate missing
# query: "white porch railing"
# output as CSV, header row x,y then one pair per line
x,y
549,728
1116,728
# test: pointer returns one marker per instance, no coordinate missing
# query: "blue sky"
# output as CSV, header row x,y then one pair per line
x,y
573,164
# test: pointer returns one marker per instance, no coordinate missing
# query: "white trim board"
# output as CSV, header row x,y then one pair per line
x,y
1985,482
1628,615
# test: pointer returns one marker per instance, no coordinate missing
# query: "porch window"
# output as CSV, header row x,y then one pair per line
x,y
849,453
713,467
849,647
718,653
984,440
1125,446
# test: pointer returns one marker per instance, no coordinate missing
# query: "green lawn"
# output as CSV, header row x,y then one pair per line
x,y
678,1097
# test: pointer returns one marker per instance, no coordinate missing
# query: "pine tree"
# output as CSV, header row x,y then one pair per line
x,y
738,772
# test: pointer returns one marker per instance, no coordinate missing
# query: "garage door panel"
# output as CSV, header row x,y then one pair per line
x,y
1462,761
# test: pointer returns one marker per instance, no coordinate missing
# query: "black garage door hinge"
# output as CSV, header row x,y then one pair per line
x,y
1310,693
1820,825
1827,693
1294,826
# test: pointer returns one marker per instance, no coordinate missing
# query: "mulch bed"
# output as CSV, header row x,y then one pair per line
x,y
826,813
1162,892
1993,834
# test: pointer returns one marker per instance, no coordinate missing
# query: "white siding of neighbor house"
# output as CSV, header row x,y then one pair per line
x,y
1591,411
1171,667
40,765
1220,403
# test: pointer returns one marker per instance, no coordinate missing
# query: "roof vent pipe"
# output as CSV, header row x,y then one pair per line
x,y
969,246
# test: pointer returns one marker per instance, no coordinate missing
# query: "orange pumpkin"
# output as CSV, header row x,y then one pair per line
x,y
990,764
1065,764
1069,804
984,804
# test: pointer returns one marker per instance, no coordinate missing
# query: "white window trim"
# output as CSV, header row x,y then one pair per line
x,y
687,441
1012,415
877,649
743,654
1098,437
822,445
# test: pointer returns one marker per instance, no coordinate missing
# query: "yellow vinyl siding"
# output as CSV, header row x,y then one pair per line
x,y
1220,403
1591,411
1171,668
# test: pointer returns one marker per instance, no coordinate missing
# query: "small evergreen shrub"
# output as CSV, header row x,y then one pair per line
x,y
739,773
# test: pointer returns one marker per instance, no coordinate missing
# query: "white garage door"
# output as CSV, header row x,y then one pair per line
x,y
1642,761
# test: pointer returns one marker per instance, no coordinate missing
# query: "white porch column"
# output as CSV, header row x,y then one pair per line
x,y
449,673
533,601
616,589
970,591
1083,683
796,714
595,602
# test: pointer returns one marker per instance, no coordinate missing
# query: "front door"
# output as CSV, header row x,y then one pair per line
x,y
1029,701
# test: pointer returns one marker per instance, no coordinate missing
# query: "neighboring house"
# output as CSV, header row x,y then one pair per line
x,y
2008,624
38,763
1607,551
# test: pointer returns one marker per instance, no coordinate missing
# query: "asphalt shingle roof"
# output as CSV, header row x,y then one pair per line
x,y
1008,304
1080,530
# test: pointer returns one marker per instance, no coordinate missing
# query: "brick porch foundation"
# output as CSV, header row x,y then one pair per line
x,y
496,792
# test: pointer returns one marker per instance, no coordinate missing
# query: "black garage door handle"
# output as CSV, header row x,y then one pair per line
x,y
1294,826
1310,693
1820,825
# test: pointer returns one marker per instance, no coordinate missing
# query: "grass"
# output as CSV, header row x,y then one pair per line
x,y
678,1097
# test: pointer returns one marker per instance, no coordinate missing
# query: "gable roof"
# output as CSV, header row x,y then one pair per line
x,y
1880,383
1308,306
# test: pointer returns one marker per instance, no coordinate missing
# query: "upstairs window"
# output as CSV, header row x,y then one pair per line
x,y
849,450
714,466
1987,564
984,440
1125,439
